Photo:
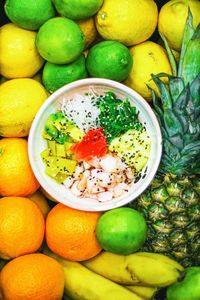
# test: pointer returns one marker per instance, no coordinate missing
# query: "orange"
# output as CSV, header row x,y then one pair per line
x,y
16,177
31,277
71,234
21,227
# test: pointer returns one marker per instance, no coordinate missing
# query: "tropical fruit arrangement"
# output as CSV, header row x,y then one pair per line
x,y
150,248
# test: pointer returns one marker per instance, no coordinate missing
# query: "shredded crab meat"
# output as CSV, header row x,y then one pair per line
x,y
81,110
93,179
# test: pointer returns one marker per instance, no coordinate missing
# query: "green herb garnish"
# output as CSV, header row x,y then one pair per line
x,y
117,116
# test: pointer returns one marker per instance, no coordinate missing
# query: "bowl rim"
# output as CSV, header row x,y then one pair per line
x,y
80,83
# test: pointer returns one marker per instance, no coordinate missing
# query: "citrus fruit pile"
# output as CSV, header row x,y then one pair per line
x,y
49,251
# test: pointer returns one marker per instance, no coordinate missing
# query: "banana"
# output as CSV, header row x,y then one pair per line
x,y
134,269
83,284
163,258
147,292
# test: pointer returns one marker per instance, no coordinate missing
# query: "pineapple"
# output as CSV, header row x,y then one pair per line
x,y
171,205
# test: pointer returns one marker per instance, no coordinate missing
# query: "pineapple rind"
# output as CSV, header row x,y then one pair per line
x,y
171,207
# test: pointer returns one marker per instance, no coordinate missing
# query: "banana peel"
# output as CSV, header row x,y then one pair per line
x,y
83,284
136,269
147,292
161,257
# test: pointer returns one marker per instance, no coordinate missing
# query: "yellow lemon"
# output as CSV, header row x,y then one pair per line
x,y
19,56
148,58
20,100
39,199
172,18
129,22
89,30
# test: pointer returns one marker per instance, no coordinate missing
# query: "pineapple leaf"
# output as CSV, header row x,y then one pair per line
x,y
192,135
191,60
164,133
176,86
177,141
184,161
191,148
190,107
187,35
179,167
182,116
159,113
195,91
171,150
164,93
156,104
197,114
182,100
172,123
196,34
170,54
179,112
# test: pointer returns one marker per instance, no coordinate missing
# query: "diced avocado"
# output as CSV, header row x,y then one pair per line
x,y
61,138
44,154
52,147
66,165
76,134
46,136
60,177
62,165
68,145
54,125
51,130
62,124
59,120
60,150
51,171
59,168
133,147
58,128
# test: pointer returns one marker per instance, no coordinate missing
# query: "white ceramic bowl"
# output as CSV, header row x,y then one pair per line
x,y
36,144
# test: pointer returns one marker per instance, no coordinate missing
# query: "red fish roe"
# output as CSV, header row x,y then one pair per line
x,y
93,144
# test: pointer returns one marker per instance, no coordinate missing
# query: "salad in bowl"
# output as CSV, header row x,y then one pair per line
x,y
95,144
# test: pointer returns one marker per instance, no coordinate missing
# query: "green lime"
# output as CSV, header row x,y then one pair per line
x,y
55,76
121,230
60,40
109,59
77,9
29,14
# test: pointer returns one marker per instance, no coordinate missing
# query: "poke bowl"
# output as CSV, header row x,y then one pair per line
x,y
95,145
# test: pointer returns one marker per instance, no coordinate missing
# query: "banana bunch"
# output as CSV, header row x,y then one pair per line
x,y
83,284
141,268
116,277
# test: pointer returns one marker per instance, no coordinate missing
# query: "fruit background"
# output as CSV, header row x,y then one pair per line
x,y
147,250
